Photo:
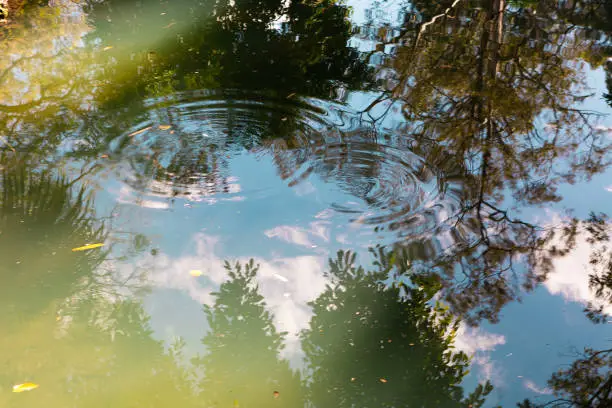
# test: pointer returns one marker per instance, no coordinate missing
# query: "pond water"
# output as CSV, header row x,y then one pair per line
x,y
305,204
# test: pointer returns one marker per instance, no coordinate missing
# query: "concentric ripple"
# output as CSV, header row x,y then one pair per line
x,y
188,145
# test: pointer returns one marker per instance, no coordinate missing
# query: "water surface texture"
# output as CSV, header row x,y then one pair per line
x,y
305,203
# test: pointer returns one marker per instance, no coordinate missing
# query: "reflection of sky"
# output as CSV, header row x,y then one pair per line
x,y
291,232
599,197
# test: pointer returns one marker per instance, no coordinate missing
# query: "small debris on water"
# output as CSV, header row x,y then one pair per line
x,y
25,387
87,247
140,131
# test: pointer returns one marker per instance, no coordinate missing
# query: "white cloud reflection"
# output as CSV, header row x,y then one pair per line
x,y
532,386
570,276
318,231
287,284
478,344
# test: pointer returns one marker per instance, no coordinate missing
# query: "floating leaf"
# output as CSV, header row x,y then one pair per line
x,y
164,127
24,387
140,131
195,273
110,47
276,394
86,247
383,380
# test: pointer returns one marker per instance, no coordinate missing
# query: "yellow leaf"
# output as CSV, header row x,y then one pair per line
x,y
140,131
24,387
382,380
86,247
195,273
164,127
110,47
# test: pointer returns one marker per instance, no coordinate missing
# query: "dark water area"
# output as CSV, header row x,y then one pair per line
x,y
305,203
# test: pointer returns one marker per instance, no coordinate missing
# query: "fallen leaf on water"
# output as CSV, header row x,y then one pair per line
x,y
110,47
164,127
24,387
86,247
140,131
276,394
291,95
382,380
169,25
353,378
195,273
104,156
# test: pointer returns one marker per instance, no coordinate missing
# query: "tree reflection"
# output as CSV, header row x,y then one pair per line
x,y
370,344
96,353
43,216
224,44
587,382
490,97
258,56
367,344
242,365
61,328
45,83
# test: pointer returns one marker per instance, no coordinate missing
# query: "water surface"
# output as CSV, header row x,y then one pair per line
x,y
305,204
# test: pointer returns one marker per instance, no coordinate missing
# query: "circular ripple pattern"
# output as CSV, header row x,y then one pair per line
x,y
390,183
187,146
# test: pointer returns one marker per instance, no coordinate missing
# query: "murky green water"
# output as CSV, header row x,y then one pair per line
x,y
305,204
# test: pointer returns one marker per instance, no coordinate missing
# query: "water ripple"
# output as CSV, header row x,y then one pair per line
x,y
189,142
